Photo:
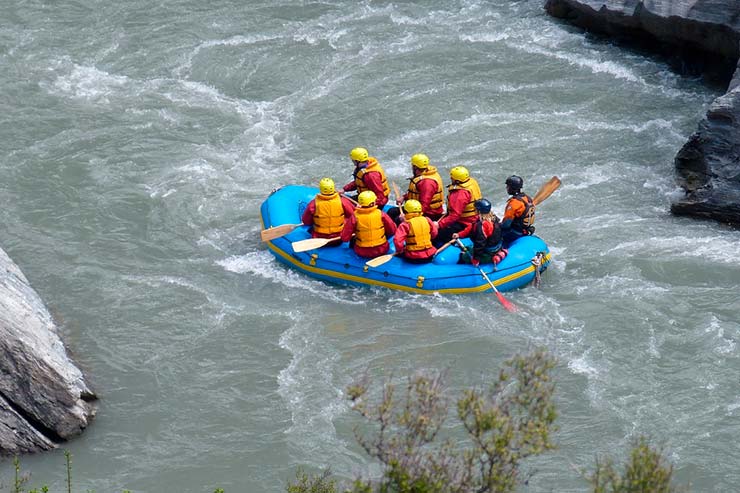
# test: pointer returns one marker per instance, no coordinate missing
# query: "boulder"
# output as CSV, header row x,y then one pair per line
x,y
708,165
702,36
44,398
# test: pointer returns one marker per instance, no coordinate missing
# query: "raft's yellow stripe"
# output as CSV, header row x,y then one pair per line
x,y
401,287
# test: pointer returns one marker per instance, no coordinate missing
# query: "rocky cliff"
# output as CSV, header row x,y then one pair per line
x,y
703,36
44,398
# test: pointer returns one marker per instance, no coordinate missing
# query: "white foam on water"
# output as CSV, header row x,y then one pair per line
x,y
264,265
733,406
87,83
583,365
484,37
437,305
186,65
657,126
653,344
707,248
722,344
307,385
596,66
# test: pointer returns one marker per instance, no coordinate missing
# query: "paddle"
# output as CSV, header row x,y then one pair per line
x,y
278,231
398,199
374,262
311,244
507,304
546,190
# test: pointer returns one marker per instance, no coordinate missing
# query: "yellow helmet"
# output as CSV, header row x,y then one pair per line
x,y
359,154
412,206
459,173
420,161
366,198
326,186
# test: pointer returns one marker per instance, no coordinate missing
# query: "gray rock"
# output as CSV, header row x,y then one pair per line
x,y
44,398
704,34
708,165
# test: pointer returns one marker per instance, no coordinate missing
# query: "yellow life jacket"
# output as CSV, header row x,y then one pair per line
x,y
369,230
329,216
373,165
471,186
429,174
419,237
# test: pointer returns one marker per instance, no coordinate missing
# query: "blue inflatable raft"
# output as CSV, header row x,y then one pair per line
x,y
340,265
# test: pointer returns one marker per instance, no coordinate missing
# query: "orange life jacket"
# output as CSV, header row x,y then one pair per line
x,y
369,230
438,198
471,186
373,165
419,236
329,216
526,219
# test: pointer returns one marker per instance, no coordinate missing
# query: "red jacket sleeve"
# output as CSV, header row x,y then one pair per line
x,y
458,199
390,226
350,186
349,228
434,228
307,217
400,238
348,206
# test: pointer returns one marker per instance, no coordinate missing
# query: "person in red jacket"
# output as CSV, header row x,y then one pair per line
x,y
368,175
461,212
426,187
413,239
370,226
327,212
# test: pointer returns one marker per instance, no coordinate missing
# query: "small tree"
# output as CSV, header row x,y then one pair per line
x,y
506,424
646,471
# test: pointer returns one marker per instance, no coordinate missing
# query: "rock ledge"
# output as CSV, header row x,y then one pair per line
x,y
44,399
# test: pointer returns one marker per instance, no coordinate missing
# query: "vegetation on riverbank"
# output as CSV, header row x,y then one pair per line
x,y
504,426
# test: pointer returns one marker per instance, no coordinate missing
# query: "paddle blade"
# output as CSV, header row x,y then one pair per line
x,y
379,260
310,244
278,231
546,190
508,305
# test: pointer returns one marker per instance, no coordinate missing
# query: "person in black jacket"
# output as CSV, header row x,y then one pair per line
x,y
486,236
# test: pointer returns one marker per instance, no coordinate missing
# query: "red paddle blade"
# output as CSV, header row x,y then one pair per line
x,y
511,307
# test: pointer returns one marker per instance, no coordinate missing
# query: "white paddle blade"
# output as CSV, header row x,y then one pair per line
x,y
277,231
310,244
379,260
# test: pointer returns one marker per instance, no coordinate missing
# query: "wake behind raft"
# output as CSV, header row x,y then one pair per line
x,y
341,265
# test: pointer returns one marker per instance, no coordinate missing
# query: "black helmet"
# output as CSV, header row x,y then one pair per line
x,y
514,183
483,206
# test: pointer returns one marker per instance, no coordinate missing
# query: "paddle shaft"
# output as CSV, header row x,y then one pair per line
x,y
398,199
507,304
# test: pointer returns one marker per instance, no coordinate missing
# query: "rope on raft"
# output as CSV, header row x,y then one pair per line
x,y
537,262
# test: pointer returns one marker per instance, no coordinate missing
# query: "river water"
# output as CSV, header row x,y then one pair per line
x,y
139,138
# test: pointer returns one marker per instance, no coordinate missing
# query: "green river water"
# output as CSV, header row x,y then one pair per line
x,y
138,140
